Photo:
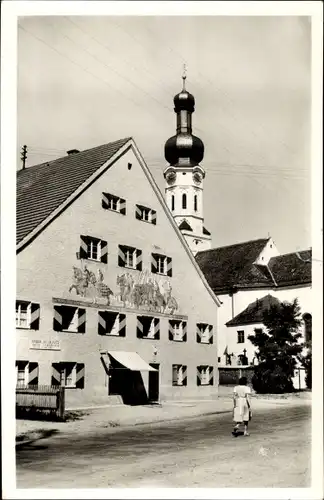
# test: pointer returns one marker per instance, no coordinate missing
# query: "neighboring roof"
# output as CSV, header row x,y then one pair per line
x,y
232,266
292,268
41,189
205,231
254,311
185,226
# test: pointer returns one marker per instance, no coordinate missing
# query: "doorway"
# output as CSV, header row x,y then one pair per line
x,y
153,383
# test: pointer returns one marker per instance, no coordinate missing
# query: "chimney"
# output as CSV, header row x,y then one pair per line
x,y
73,152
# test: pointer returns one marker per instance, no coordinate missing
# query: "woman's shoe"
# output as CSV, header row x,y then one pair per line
x,y
246,433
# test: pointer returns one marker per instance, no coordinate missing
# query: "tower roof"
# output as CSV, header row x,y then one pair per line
x,y
184,148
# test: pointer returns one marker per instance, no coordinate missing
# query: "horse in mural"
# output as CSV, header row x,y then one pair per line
x,y
86,281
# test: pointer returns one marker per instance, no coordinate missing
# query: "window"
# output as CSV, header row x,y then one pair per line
x,y
146,214
93,249
26,373
204,333
148,327
130,257
258,330
68,374
240,337
179,375
195,203
172,202
114,203
178,331
184,201
27,315
161,264
110,323
308,327
205,375
69,319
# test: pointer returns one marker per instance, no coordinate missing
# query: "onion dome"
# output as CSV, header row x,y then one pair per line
x,y
184,100
184,148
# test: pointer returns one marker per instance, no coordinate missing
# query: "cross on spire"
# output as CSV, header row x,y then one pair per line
x,y
184,76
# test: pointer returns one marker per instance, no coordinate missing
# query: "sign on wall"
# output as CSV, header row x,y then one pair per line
x,y
46,345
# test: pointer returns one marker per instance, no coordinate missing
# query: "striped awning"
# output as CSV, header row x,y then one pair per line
x,y
131,360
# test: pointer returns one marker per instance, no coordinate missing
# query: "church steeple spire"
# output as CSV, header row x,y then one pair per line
x,y
184,175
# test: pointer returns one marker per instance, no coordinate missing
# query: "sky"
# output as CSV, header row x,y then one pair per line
x,y
85,81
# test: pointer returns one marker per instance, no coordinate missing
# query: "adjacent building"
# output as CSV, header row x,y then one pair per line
x,y
111,303
247,277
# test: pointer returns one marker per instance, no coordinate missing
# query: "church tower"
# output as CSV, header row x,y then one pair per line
x,y
184,176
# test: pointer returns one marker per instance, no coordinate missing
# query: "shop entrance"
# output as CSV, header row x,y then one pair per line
x,y
153,383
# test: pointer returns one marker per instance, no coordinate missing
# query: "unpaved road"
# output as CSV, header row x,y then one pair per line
x,y
197,452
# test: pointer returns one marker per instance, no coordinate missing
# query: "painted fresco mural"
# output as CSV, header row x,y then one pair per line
x,y
143,291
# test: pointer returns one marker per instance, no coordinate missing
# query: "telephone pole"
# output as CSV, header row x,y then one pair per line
x,y
23,156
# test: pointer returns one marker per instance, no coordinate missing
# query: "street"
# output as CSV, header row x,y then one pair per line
x,y
197,452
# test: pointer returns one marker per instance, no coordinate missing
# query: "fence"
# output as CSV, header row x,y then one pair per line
x,y
231,375
41,397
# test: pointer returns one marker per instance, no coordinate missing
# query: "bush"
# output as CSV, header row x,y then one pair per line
x,y
268,381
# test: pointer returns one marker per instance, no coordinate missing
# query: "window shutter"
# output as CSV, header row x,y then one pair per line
x,y
174,374
57,320
81,320
184,331
35,313
153,217
211,375
33,374
156,328
198,333
169,266
121,256
198,375
83,247
102,324
56,377
104,201
139,260
153,264
184,375
122,325
139,328
138,212
122,206
171,331
104,252
79,380
210,334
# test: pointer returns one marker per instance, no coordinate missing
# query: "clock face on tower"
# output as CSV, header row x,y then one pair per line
x,y
197,177
171,177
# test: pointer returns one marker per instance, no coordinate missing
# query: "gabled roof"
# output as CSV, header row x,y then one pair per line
x,y
185,226
41,189
55,189
292,268
254,311
231,266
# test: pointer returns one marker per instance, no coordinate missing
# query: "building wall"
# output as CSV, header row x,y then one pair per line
x,y
231,306
45,271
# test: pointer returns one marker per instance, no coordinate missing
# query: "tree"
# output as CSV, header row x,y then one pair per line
x,y
278,348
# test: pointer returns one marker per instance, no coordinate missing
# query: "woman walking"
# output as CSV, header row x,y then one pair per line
x,y
242,406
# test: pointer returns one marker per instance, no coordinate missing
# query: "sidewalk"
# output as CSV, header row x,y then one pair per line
x,y
85,420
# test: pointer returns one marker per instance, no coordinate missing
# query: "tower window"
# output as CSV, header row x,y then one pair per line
x,y
195,203
172,202
184,201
